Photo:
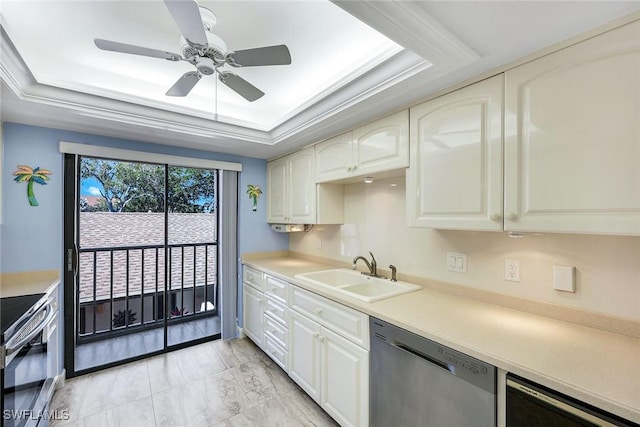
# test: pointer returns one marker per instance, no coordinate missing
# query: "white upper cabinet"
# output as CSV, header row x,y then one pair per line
x,y
334,158
292,189
293,197
382,145
277,199
302,184
572,147
376,147
455,177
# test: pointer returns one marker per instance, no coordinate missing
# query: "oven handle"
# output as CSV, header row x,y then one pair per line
x,y
12,347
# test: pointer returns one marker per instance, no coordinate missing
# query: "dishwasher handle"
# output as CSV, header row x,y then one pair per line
x,y
423,356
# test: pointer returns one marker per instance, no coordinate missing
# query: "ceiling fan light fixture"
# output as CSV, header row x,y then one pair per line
x,y
205,66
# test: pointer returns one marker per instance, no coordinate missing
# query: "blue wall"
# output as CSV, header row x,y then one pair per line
x,y
31,237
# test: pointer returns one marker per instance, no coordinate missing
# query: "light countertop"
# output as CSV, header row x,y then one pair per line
x,y
595,366
28,283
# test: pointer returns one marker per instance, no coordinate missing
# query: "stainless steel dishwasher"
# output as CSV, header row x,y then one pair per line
x,y
418,382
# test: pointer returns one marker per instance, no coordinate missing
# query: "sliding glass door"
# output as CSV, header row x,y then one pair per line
x,y
193,251
146,266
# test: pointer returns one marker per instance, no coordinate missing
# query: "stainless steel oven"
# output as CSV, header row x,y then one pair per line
x,y
533,405
29,357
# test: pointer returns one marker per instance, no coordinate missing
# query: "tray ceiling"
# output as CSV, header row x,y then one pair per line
x,y
352,61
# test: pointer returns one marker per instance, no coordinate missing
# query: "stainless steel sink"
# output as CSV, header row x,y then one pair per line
x,y
357,285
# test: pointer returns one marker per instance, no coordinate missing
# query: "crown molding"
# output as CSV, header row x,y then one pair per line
x,y
359,97
35,103
408,24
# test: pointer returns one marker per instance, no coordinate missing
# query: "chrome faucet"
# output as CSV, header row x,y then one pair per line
x,y
373,266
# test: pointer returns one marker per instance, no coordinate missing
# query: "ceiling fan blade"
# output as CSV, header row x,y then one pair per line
x,y
184,84
241,86
186,13
269,55
135,50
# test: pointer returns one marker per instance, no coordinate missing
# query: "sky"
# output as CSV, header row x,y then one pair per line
x,y
90,187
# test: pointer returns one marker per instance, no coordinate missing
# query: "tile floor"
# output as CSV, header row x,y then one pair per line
x,y
220,383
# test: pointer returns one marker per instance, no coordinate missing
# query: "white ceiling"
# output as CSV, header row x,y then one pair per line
x,y
343,72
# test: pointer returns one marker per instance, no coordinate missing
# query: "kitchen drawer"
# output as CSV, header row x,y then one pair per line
x,y
277,353
277,289
276,331
277,310
343,320
254,278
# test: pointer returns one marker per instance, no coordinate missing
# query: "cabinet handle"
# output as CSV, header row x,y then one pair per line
x,y
318,311
512,216
320,338
495,217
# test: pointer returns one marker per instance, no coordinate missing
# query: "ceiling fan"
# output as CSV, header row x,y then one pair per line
x,y
206,51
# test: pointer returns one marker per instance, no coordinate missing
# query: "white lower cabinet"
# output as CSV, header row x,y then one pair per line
x,y
322,345
344,379
253,314
331,368
304,363
266,314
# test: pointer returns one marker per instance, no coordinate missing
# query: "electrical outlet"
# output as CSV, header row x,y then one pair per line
x,y
512,270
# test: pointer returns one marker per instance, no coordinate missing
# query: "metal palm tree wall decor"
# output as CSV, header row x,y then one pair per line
x,y
29,175
254,192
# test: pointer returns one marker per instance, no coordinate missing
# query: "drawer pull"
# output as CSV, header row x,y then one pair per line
x,y
318,311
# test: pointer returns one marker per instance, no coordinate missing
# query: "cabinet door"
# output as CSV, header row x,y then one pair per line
x,y
455,178
382,145
304,354
277,191
344,320
344,380
253,314
572,153
334,158
302,184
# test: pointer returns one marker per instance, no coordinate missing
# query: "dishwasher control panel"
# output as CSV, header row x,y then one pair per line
x,y
468,363
457,363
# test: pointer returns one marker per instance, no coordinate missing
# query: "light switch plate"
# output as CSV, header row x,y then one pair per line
x,y
564,278
457,262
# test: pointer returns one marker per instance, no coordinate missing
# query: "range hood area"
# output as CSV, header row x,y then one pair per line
x,y
291,228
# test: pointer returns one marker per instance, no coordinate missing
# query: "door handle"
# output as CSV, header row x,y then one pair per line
x,y
73,259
